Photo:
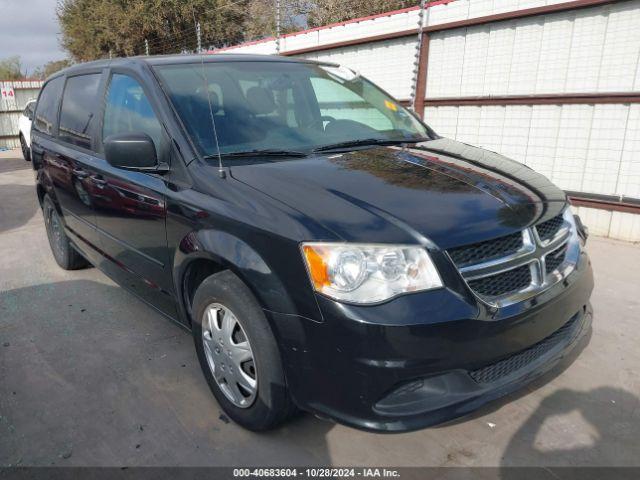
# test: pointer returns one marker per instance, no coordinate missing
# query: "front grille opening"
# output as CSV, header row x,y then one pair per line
x,y
547,230
502,368
487,250
554,259
503,283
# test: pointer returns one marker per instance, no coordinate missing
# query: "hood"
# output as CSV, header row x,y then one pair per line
x,y
449,192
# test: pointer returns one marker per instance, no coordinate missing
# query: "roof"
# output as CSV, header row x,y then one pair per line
x,y
178,59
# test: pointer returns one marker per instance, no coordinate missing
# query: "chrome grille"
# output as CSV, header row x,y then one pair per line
x,y
503,283
554,259
517,266
483,251
549,229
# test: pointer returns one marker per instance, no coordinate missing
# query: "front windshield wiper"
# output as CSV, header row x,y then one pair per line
x,y
368,141
260,152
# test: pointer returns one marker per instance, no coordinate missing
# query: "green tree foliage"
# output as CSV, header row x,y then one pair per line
x,y
260,21
332,11
11,69
50,68
95,28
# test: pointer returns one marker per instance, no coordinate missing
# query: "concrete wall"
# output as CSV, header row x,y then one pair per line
x,y
11,107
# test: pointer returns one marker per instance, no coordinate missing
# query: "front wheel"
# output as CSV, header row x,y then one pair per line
x,y
238,353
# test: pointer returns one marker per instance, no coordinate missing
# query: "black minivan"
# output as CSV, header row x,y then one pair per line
x,y
328,250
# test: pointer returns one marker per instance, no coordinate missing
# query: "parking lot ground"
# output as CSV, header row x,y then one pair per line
x,y
91,376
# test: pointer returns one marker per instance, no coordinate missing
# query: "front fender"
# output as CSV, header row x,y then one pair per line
x,y
230,252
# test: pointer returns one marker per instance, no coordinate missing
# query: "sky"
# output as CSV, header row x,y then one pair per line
x,y
29,28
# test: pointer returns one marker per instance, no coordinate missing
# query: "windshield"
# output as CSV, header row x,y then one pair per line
x,y
283,106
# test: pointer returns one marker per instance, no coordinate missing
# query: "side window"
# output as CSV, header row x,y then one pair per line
x,y
128,110
79,104
47,109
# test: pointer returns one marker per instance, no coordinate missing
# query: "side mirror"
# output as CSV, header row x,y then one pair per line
x,y
132,151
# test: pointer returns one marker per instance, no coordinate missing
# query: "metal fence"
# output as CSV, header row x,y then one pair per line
x,y
14,96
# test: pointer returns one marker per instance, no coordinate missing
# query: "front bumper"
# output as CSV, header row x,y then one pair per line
x,y
427,358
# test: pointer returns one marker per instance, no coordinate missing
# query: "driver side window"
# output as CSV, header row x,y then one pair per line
x,y
128,110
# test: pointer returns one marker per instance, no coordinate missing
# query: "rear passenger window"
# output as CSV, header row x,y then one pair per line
x,y
128,111
79,105
47,109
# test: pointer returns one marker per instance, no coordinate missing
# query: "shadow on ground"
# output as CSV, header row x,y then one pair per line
x,y
18,206
90,377
602,423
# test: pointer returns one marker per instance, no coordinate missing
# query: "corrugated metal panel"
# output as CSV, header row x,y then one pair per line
x,y
10,110
592,50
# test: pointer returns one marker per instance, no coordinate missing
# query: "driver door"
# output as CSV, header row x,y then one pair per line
x,y
131,214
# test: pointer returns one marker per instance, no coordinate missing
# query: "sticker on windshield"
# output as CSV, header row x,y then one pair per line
x,y
391,106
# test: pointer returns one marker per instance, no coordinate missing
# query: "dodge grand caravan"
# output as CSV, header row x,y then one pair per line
x,y
327,249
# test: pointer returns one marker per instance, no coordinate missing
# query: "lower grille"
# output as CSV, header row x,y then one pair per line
x,y
503,283
498,370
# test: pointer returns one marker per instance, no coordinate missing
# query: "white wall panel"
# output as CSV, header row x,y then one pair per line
x,y
475,62
491,127
523,66
572,146
499,55
621,48
553,58
543,138
515,135
625,226
598,221
468,127
629,177
590,50
605,149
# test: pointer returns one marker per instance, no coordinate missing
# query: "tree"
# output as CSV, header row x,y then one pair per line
x,y
332,11
297,14
97,28
11,69
50,68
261,17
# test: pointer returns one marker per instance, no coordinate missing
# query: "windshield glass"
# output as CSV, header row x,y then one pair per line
x,y
283,106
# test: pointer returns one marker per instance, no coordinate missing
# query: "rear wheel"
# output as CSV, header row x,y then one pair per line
x,y
26,151
65,255
238,353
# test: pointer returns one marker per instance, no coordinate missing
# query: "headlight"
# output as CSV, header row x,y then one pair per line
x,y
362,273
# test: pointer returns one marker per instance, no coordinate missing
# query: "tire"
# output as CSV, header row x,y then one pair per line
x,y
26,151
222,298
65,255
